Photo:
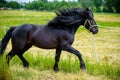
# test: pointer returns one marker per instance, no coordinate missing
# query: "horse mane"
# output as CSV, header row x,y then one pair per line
x,y
65,18
67,12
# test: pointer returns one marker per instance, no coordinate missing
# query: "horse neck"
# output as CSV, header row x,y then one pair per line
x,y
74,29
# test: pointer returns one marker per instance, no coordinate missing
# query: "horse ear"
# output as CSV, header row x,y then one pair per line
x,y
87,9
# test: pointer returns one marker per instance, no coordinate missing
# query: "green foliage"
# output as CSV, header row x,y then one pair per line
x,y
86,3
50,6
98,5
13,5
2,3
95,5
112,6
117,5
42,0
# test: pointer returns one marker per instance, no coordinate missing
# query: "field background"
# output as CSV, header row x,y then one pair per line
x,y
41,61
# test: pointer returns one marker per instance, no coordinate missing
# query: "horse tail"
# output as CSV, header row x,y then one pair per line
x,y
5,40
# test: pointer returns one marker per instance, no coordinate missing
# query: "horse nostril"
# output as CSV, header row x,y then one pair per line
x,y
97,30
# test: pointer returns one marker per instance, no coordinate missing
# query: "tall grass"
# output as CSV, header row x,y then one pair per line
x,y
68,65
4,70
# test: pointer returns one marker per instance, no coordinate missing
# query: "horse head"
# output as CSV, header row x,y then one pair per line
x,y
74,17
89,22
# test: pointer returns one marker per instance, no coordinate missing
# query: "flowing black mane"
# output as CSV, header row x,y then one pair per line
x,y
68,12
66,18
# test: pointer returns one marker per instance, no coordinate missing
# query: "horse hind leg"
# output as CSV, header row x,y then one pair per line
x,y
25,62
9,56
16,48
20,55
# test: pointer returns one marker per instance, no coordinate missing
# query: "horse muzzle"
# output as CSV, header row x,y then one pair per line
x,y
94,30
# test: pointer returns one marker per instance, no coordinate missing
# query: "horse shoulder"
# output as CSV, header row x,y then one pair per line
x,y
65,38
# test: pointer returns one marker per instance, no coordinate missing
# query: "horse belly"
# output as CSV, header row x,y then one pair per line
x,y
45,42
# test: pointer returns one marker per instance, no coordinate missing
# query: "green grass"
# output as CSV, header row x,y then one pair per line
x,y
44,63
107,20
41,61
4,70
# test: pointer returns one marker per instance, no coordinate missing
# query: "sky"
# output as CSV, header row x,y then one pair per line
x,y
34,0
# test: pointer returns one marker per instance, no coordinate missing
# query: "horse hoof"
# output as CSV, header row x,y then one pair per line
x,y
83,68
56,69
26,65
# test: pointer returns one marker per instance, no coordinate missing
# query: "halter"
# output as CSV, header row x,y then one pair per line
x,y
91,26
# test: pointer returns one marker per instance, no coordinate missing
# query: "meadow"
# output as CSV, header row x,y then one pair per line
x,y
41,61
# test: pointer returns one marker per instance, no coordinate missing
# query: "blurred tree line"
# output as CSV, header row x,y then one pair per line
x,y
12,4
42,5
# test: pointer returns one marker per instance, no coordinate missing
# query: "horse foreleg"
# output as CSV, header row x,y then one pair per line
x,y
57,57
77,53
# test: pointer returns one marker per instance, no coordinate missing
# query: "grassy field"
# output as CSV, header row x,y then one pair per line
x,y
107,43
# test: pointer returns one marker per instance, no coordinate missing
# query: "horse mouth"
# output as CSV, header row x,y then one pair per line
x,y
95,32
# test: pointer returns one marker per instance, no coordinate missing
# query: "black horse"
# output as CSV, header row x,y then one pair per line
x,y
57,34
